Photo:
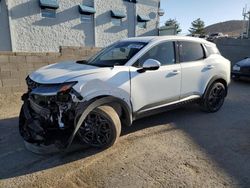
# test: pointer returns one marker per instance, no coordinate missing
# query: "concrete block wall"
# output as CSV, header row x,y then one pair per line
x,y
234,49
15,66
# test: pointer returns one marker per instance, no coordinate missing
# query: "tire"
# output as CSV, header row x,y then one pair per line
x,y
213,98
101,128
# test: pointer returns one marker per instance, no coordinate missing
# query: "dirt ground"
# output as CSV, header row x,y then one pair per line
x,y
180,148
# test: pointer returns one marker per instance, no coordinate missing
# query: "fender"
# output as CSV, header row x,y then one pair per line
x,y
212,80
89,106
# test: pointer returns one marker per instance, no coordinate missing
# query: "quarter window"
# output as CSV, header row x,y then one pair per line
x,y
164,53
190,51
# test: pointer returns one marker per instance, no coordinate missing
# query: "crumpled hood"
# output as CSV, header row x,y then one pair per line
x,y
63,72
244,62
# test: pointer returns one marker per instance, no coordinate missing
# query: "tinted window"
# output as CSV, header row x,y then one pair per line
x,y
190,51
164,53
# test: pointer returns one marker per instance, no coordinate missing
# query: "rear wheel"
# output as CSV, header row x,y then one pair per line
x,y
101,128
214,98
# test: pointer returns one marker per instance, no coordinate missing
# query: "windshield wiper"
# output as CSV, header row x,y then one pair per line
x,y
82,62
101,65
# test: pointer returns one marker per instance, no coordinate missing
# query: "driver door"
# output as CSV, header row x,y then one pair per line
x,y
154,88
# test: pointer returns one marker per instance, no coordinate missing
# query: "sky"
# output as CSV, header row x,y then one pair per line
x,y
210,11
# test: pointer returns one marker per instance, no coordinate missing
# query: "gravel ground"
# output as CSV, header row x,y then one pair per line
x,y
181,148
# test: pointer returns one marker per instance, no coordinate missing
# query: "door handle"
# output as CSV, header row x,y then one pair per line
x,y
209,66
175,72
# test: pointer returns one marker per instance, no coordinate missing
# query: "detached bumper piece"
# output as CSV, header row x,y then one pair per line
x,y
29,127
48,114
45,125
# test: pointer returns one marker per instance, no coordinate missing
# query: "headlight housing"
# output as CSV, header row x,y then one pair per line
x,y
65,87
63,91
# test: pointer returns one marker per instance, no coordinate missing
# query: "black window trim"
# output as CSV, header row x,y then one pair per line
x,y
205,51
175,53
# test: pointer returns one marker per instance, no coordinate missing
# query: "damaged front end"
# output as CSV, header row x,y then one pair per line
x,y
48,113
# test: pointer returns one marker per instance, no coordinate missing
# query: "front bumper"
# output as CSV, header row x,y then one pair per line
x,y
29,127
239,74
36,126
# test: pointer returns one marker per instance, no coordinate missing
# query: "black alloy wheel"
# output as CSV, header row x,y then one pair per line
x,y
101,128
215,97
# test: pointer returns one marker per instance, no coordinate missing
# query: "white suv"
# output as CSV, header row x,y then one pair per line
x,y
128,80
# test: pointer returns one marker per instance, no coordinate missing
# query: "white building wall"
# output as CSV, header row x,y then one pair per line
x,y
148,8
31,32
5,40
106,33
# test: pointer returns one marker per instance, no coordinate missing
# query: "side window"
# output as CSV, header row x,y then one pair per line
x,y
191,51
164,53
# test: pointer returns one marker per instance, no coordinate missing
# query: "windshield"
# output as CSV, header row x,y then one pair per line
x,y
116,54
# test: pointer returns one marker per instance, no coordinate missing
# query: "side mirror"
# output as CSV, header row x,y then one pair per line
x,y
151,64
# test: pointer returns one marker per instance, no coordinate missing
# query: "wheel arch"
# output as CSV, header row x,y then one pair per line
x,y
213,80
86,107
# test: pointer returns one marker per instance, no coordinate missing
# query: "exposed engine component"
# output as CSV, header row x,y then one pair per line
x,y
48,113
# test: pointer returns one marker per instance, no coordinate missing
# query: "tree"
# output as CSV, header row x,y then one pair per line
x,y
198,27
173,22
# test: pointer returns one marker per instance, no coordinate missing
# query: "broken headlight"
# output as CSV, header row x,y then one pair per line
x,y
63,92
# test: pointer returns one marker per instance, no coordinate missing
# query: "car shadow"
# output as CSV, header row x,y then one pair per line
x,y
223,136
16,160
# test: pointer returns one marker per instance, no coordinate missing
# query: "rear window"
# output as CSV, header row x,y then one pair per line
x,y
191,51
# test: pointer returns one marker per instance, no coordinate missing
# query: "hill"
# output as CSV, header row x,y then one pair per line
x,y
232,28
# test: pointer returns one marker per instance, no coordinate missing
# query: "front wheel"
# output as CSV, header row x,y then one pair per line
x,y
101,128
214,98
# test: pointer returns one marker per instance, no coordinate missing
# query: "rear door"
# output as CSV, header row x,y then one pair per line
x,y
196,68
